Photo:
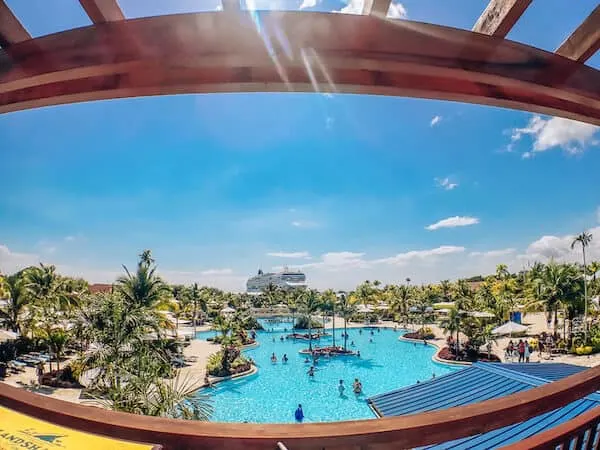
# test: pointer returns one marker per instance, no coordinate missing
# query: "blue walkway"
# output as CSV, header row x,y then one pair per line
x,y
479,382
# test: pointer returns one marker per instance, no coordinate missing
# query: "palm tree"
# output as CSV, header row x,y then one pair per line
x,y
272,294
57,340
502,271
451,324
346,308
146,258
18,298
584,239
328,301
144,289
198,302
310,303
445,288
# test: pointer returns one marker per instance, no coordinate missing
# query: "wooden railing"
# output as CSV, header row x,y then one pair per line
x,y
382,434
579,433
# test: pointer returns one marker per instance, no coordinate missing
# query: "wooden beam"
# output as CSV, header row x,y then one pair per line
x,y
102,11
585,40
11,30
378,8
500,16
219,52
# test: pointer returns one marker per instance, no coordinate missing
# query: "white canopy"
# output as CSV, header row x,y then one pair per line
x,y
228,310
481,315
414,309
509,328
382,306
429,309
6,335
364,308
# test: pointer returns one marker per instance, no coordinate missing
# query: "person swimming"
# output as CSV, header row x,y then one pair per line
x,y
273,338
273,358
379,330
358,353
299,414
372,333
352,344
306,360
357,386
341,388
371,341
360,331
285,358
281,338
311,371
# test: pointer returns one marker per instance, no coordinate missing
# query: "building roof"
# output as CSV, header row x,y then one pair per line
x,y
485,381
100,288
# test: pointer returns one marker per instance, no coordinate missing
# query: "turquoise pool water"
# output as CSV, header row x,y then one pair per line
x,y
272,395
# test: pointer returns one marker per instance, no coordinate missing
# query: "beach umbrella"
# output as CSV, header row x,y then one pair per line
x,y
414,309
6,335
382,306
228,310
481,315
429,309
509,328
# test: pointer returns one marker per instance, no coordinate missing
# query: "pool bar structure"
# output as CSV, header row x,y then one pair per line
x,y
238,50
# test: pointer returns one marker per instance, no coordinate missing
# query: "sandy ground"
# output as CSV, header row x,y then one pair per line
x,y
199,351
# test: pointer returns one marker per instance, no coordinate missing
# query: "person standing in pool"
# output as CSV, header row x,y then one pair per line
x,y
311,371
285,358
299,414
273,358
341,388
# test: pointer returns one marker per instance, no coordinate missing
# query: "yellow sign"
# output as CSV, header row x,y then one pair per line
x,y
21,432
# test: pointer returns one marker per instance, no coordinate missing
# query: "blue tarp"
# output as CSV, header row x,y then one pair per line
x,y
484,381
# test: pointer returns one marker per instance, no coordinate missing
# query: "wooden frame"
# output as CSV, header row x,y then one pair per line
x,y
297,52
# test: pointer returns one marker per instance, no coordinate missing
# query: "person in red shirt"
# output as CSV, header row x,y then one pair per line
x,y
521,350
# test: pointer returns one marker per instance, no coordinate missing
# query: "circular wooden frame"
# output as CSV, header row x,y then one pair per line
x,y
293,52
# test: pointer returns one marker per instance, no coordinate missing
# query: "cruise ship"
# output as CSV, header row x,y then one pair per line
x,y
286,280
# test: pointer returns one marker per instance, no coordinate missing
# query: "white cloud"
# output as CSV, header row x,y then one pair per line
x,y
570,135
445,183
494,253
215,272
353,7
303,255
451,222
435,121
304,224
404,258
397,11
11,262
70,238
559,248
308,4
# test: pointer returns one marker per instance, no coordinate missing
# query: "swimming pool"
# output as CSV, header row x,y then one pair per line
x,y
272,395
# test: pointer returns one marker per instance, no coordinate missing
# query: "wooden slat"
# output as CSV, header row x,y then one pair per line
x,y
220,52
102,11
378,8
500,16
11,30
585,40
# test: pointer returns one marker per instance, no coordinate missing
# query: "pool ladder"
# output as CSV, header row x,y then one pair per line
x,y
281,446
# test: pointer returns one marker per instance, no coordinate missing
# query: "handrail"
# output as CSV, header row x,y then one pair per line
x,y
393,432
582,430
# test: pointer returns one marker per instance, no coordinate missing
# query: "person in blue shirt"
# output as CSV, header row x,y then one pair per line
x,y
299,414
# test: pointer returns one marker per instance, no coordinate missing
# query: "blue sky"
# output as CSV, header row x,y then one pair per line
x,y
344,187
